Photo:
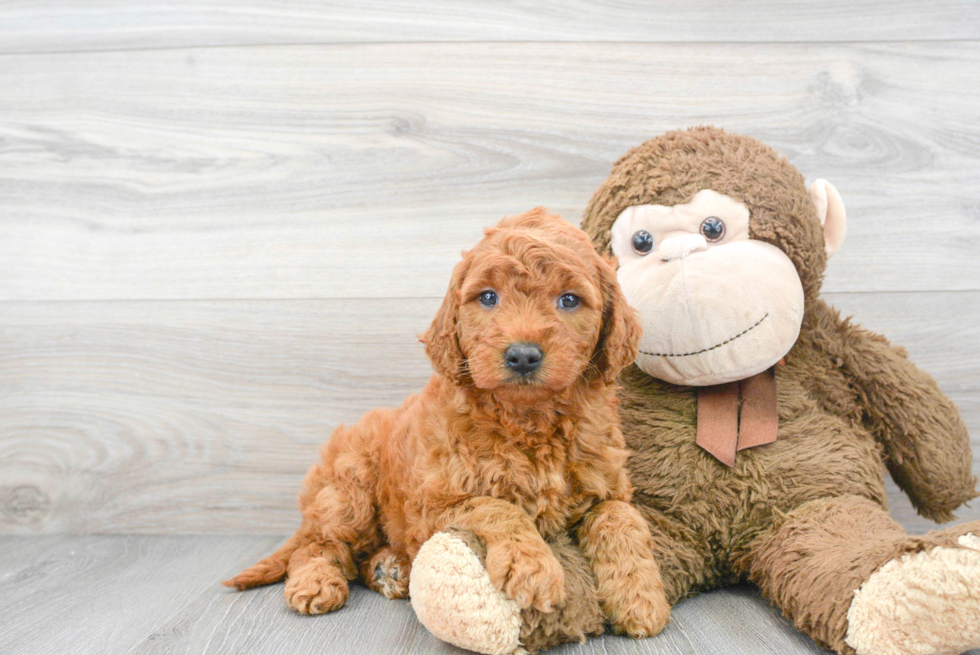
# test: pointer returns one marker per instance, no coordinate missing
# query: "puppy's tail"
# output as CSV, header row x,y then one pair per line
x,y
272,568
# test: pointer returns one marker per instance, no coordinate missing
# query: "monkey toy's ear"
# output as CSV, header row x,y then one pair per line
x,y
830,211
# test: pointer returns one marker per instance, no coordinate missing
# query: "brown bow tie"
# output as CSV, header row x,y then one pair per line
x,y
721,431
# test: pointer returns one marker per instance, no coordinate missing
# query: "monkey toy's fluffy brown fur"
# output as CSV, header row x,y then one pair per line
x,y
803,517
515,458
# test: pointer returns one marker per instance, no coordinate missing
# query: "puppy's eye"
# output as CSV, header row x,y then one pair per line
x,y
642,242
712,228
569,301
487,298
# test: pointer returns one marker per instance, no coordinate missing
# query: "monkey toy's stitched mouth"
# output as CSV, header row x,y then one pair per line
x,y
717,345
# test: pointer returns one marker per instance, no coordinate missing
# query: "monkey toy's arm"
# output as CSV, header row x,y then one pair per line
x,y
926,444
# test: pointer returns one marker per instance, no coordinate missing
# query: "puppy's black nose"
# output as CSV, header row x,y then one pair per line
x,y
523,358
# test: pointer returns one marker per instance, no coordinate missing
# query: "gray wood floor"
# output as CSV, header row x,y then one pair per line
x,y
139,594
222,224
159,594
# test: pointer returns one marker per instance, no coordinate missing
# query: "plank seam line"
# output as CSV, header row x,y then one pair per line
x,y
65,301
328,44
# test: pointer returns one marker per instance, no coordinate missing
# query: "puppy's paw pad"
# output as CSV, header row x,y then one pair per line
x,y
390,576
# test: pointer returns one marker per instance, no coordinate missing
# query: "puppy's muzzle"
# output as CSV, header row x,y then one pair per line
x,y
523,358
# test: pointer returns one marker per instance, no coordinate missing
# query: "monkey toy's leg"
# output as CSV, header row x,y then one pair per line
x,y
850,577
684,557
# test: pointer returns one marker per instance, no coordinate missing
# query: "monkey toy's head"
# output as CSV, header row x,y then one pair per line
x,y
721,249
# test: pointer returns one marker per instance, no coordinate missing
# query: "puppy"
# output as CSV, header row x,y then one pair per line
x,y
515,437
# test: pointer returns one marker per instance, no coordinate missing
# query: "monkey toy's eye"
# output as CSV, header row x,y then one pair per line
x,y
642,242
488,298
568,301
712,228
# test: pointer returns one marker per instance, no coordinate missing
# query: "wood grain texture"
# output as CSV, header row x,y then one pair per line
x,y
60,26
160,596
202,417
105,594
216,623
362,170
213,409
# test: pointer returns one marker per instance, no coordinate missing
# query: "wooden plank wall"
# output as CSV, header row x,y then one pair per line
x,y
222,224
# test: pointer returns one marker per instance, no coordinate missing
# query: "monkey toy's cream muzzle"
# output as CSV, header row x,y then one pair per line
x,y
712,312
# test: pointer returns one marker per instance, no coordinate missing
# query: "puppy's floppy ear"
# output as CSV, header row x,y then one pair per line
x,y
442,339
619,337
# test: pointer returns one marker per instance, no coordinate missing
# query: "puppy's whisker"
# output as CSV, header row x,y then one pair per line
x,y
592,370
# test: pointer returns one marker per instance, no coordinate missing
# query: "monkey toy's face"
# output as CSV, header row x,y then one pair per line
x,y
716,305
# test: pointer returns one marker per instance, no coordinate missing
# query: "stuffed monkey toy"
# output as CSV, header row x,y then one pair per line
x,y
760,423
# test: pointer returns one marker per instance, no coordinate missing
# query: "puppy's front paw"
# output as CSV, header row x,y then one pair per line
x,y
317,588
642,615
634,598
528,572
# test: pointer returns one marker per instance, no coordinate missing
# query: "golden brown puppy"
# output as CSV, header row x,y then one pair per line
x,y
516,437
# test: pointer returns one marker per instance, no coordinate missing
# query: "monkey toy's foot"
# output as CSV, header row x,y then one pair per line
x,y
387,572
924,603
453,596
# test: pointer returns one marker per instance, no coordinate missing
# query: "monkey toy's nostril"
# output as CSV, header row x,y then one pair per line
x,y
523,358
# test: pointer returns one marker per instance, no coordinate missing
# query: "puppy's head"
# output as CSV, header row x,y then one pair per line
x,y
531,310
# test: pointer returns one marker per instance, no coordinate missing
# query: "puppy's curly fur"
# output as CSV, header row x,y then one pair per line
x,y
513,456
